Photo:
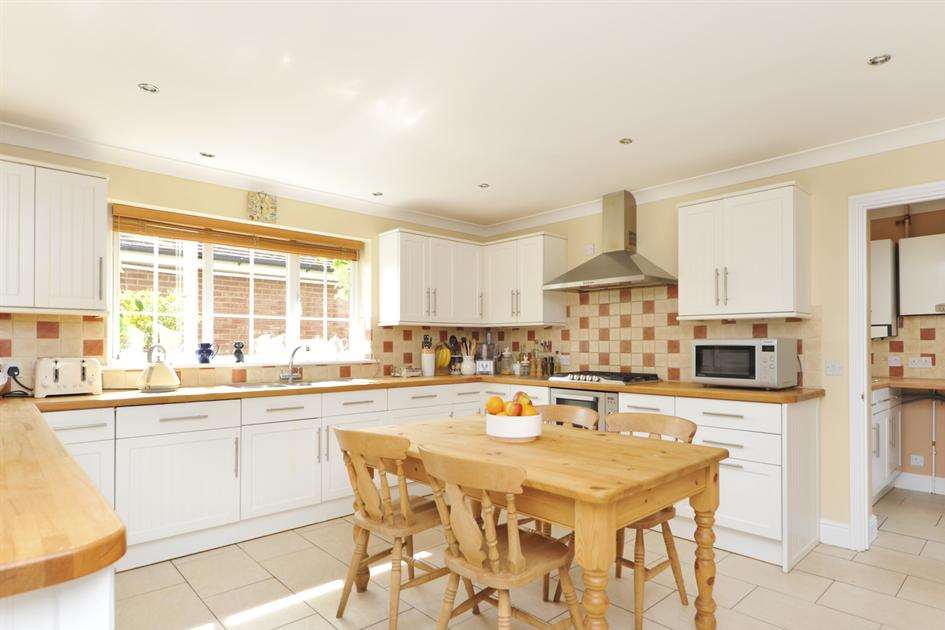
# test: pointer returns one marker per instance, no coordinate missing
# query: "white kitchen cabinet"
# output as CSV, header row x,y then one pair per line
x,y
515,274
97,459
746,255
89,436
468,300
420,414
441,264
281,467
176,483
16,224
646,403
885,440
894,443
501,390
879,427
922,275
464,410
883,319
501,281
335,483
70,259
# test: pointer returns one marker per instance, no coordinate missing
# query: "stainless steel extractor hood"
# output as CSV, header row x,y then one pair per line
x,y
619,265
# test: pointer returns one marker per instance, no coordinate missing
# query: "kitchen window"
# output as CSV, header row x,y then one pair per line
x,y
178,293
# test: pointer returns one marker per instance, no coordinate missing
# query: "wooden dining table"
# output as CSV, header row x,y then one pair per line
x,y
592,483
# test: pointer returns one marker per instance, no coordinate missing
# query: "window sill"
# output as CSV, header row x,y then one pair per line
x,y
117,366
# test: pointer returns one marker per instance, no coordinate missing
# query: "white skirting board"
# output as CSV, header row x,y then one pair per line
x,y
920,483
838,534
85,603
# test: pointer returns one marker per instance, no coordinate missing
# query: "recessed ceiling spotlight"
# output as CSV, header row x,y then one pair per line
x,y
149,88
207,155
483,185
879,60
625,141
378,194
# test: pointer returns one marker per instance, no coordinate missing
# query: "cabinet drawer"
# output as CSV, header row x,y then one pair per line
x,y
279,408
466,393
749,498
83,425
413,397
647,403
730,414
359,401
539,395
881,394
176,418
743,445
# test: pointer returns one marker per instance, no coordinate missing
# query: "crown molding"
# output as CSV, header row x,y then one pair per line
x,y
873,144
110,154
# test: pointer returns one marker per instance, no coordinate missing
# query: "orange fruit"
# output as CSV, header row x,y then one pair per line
x,y
494,405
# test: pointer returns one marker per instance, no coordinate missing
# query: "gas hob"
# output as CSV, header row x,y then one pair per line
x,y
608,378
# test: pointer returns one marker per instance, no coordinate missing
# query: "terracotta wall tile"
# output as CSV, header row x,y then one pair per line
x,y
47,330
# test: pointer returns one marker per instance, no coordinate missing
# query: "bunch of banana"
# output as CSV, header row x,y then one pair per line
x,y
443,355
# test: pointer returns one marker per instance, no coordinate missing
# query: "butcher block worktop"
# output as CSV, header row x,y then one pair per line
x,y
54,524
126,398
909,383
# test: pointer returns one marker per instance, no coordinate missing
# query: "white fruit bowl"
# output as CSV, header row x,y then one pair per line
x,y
513,428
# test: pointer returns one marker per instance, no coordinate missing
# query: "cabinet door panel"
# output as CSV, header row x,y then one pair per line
x,y
420,414
700,256
97,459
529,293
464,410
758,252
72,214
893,447
878,429
16,225
335,483
501,282
281,467
467,283
177,483
414,297
440,266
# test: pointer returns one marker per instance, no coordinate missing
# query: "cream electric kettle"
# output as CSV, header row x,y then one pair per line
x,y
158,376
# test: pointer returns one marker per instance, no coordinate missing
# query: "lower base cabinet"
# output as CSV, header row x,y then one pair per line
x,y
178,482
280,467
97,459
335,484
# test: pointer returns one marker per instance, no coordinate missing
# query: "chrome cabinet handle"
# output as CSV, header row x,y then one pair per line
x,y
875,440
419,396
94,425
318,456
518,302
494,393
722,415
716,286
725,284
236,459
641,408
480,305
101,278
716,443
468,393
428,301
512,301
357,402
728,465
201,416
434,302
294,408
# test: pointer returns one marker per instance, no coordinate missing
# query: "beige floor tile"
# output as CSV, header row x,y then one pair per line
x,y
337,539
907,527
315,622
924,499
306,569
620,619
219,570
363,610
898,542
883,609
796,584
672,614
836,552
411,620
274,545
261,606
923,592
914,513
153,577
934,550
173,608
488,620
855,573
797,614
727,592
919,566
428,597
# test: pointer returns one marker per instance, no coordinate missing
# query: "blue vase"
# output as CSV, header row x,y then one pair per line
x,y
205,352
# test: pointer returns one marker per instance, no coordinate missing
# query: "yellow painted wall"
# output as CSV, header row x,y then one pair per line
x,y
830,187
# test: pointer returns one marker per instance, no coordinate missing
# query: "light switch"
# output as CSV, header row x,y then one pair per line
x,y
834,368
565,360
589,249
895,361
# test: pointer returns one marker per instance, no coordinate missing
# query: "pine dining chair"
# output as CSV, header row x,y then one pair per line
x,y
369,459
498,557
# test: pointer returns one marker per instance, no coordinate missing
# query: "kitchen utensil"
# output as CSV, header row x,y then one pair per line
x,y
205,352
158,376
56,377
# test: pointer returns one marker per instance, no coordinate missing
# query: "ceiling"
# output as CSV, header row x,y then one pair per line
x,y
425,101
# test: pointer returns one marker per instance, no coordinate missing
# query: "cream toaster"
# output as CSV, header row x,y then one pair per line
x,y
56,377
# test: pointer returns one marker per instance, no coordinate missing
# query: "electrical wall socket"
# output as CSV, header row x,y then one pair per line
x,y
833,368
590,249
565,360
916,460
920,362
895,361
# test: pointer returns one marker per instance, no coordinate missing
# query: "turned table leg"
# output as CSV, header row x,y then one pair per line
x,y
594,549
704,505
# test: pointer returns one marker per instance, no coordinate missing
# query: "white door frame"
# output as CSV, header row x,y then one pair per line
x,y
858,320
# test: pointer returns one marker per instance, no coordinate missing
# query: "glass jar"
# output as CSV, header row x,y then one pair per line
x,y
505,363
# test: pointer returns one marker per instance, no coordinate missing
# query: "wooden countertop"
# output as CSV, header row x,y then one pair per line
x,y
909,383
54,524
126,398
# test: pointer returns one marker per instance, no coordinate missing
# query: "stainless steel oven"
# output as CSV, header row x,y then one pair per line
x,y
602,402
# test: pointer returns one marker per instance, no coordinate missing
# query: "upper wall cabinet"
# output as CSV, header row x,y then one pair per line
x,y
746,255
55,254
427,279
922,275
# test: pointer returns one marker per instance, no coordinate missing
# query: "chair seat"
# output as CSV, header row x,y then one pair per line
x,y
425,517
653,520
542,555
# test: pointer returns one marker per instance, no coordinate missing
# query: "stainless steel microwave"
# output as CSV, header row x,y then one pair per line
x,y
761,363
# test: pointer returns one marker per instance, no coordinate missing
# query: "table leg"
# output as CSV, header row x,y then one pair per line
x,y
594,549
704,505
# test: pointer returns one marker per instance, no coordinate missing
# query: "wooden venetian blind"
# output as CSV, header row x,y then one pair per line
x,y
206,229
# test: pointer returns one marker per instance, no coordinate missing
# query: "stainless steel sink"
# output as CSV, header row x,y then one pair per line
x,y
325,383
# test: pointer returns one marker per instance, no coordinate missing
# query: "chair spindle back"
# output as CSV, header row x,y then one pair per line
x,y
655,425
568,416
366,452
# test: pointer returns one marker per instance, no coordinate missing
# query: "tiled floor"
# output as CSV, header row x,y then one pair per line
x,y
291,580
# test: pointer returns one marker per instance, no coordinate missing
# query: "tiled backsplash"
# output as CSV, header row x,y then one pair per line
x,y
614,330
919,336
